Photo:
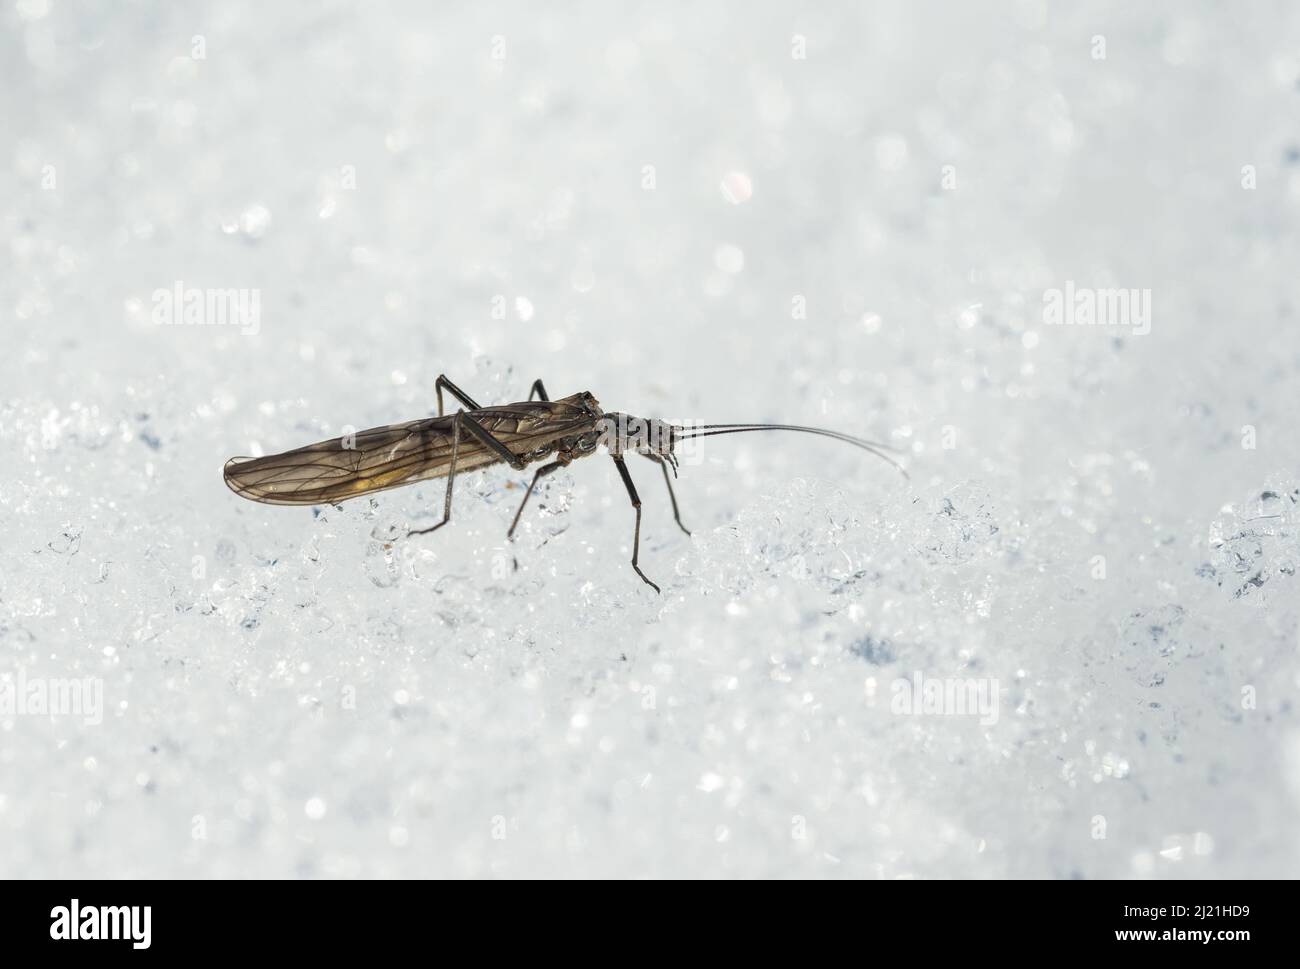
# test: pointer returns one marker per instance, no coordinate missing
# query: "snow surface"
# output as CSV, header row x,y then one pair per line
x,y
466,191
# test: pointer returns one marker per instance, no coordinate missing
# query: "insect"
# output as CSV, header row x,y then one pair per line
x,y
539,429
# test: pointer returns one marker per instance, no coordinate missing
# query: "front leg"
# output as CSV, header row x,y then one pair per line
x,y
636,504
672,496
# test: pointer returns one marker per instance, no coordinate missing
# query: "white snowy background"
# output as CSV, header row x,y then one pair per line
x,y
844,215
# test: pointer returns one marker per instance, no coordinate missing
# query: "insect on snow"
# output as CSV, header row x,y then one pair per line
x,y
514,434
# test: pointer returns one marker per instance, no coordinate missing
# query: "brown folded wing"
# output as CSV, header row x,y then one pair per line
x,y
398,454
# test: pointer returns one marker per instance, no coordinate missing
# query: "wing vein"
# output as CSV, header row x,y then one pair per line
x,y
389,457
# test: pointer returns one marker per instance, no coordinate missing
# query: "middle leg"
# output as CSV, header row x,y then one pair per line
x,y
460,424
542,472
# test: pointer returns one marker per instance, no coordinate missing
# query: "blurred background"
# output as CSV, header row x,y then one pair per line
x,y
836,214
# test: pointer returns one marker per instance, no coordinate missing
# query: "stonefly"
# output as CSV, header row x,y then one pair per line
x,y
476,437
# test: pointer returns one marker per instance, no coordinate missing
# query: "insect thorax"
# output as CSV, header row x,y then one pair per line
x,y
619,433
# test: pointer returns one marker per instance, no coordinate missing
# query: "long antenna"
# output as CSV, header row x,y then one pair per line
x,y
713,430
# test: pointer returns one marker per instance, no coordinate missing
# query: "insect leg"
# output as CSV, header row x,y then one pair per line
x,y
671,496
485,436
541,473
539,390
636,504
455,391
451,478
